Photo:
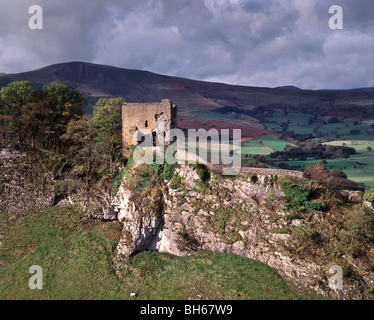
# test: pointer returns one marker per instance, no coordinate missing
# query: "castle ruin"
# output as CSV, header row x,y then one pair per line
x,y
154,117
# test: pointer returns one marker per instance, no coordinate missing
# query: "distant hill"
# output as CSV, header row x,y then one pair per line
x,y
363,89
288,88
96,81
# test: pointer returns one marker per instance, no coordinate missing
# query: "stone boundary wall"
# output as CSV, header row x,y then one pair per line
x,y
262,171
277,172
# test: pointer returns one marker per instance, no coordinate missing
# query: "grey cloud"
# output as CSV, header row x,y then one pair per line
x,y
249,42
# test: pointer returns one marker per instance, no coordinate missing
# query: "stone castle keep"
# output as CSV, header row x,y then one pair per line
x,y
155,117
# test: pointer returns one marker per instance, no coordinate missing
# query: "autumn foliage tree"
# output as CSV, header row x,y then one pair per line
x,y
334,181
80,136
38,117
106,120
35,116
14,97
67,106
52,118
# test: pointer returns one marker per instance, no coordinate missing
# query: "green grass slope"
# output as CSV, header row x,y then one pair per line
x,y
76,255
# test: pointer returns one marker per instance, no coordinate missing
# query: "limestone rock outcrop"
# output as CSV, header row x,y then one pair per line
x,y
244,215
22,187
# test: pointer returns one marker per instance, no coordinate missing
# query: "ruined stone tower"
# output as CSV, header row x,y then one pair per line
x,y
155,117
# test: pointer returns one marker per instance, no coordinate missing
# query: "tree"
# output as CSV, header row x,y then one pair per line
x,y
334,120
106,120
317,172
7,128
369,149
80,136
35,114
333,181
68,105
13,98
338,174
63,94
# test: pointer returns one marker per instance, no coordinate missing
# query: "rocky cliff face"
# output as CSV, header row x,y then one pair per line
x,y
24,181
244,215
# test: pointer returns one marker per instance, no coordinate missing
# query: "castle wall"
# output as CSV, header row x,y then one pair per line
x,y
138,116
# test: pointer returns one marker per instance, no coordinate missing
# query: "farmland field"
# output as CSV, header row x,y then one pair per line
x,y
264,145
297,122
360,145
230,117
362,173
264,139
342,131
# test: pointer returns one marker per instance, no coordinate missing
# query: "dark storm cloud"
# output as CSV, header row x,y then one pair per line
x,y
259,43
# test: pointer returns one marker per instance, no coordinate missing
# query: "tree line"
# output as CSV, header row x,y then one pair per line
x,y
312,150
52,118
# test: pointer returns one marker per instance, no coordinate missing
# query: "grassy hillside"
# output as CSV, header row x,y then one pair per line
x,y
264,145
76,255
191,95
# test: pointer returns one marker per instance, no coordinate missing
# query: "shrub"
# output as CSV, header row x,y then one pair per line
x,y
256,164
168,171
175,181
254,179
369,195
143,175
315,205
117,182
120,176
338,174
66,187
157,168
296,195
202,172
294,216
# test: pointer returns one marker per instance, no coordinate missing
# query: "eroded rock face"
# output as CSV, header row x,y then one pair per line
x,y
9,152
21,186
141,224
240,216
140,235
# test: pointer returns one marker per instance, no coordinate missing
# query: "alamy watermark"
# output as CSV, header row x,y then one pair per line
x,y
173,147
36,281
336,20
336,281
36,20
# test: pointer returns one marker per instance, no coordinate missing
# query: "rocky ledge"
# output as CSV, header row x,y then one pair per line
x,y
244,215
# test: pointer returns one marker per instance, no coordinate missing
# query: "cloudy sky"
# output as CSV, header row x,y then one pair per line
x,y
250,42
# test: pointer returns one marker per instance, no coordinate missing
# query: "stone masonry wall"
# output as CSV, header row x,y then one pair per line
x,y
143,116
262,171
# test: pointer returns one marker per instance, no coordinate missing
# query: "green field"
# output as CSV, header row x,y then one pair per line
x,y
298,123
360,145
264,145
333,130
240,119
337,134
364,174
76,255
334,134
